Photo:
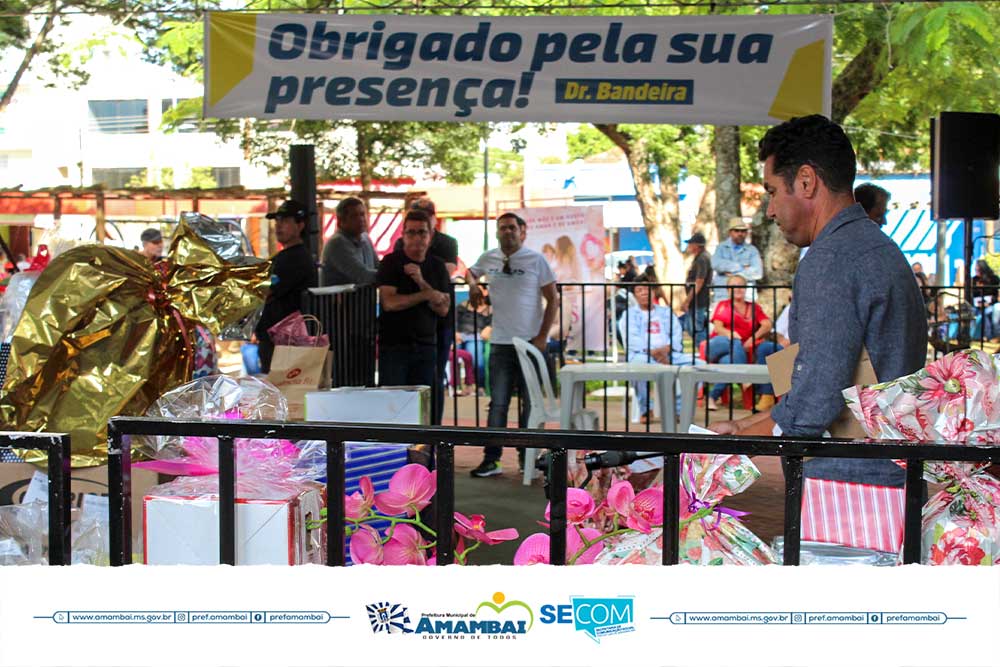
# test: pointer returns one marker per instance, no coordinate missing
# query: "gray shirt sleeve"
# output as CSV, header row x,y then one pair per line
x,y
828,328
341,255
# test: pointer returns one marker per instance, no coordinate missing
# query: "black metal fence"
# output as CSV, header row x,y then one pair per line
x,y
559,443
57,447
348,317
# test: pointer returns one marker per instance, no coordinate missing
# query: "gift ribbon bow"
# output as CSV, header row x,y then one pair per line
x,y
696,504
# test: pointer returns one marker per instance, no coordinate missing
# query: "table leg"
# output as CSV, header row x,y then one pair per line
x,y
566,402
665,393
689,398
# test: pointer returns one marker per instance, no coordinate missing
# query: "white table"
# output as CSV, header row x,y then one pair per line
x,y
573,377
689,376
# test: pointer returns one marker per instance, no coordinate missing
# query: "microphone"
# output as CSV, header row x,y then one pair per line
x,y
600,460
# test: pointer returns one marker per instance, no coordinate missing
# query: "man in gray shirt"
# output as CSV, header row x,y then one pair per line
x,y
854,288
348,257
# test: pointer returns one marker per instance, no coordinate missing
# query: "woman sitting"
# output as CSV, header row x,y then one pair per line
x,y
473,330
739,333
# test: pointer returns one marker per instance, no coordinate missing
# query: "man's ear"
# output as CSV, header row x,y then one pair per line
x,y
807,181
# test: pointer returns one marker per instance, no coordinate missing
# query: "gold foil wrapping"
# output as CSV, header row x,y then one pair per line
x,y
105,332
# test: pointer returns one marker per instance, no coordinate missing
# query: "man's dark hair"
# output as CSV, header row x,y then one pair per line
x,y
869,195
347,203
425,204
815,141
518,219
420,216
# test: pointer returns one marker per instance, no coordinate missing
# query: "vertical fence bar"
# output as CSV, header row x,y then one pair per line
x,y
452,358
605,357
912,510
793,509
445,502
562,334
558,460
335,471
60,549
227,500
120,496
671,508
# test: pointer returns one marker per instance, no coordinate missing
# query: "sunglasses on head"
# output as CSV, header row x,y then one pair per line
x,y
506,265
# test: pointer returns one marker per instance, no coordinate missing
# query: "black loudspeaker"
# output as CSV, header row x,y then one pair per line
x,y
965,159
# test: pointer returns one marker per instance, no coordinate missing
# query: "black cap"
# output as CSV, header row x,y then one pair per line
x,y
151,235
697,238
289,209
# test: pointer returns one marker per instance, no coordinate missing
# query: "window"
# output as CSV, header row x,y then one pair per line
x,y
119,116
117,177
225,177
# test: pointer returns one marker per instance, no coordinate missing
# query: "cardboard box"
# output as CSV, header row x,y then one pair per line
x,y
780,366
184,530
371,405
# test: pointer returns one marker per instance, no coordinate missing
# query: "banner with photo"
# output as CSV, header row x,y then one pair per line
x,y
572,240
724,70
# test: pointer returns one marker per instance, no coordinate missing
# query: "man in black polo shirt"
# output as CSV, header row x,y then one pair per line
x,y
699,279
445,248
413,290
293,270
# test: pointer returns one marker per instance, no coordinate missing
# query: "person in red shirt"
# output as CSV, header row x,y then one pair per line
x,y
739,336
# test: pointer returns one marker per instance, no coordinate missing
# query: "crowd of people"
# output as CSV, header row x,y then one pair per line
x,y
853,288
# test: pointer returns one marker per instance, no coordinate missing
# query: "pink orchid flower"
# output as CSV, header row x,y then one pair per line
x,y
579,506
410,490
535,548
358,504
474,528
405,547
366,547
641,512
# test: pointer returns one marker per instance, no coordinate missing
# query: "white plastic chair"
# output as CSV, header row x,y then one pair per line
x,y
544,405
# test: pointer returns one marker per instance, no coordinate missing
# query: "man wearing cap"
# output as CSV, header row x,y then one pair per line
x,y
152,244
698,281
348,257
292,272
736,257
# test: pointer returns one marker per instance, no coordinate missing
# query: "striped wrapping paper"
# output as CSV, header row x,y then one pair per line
x,y
854,515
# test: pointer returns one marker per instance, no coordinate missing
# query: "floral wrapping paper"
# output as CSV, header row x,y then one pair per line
x,y
954,399
710,534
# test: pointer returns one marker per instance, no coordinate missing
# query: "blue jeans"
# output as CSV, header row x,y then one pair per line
x,y
505,374
410,364
477,350
642,388
722,350
700,318
765,348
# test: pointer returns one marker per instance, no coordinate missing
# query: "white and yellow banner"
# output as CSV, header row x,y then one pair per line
x,y
726,70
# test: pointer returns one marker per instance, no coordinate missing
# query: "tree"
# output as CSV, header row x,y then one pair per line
x,y
27,29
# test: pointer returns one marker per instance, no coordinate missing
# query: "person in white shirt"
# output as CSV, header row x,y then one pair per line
x,y
736,257
652,334
520,280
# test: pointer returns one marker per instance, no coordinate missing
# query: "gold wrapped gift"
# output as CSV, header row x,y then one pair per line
x,y
105,332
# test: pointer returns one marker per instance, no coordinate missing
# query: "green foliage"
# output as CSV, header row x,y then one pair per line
x,y
509,164
201,177
588,142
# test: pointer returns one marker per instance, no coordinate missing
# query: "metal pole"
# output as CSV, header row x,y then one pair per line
x,y
486,189
302,172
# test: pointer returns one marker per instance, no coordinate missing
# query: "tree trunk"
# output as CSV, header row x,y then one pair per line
x,y
364,161
861,76
660,208
726,146
29,55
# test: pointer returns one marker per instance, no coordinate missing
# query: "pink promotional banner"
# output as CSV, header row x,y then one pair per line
x,y
572,240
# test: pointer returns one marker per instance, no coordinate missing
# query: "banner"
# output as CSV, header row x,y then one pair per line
x,y
572,240
724,70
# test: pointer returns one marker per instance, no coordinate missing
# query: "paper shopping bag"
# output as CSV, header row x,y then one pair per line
x,y
297,370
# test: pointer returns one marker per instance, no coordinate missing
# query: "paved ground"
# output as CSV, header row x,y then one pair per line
x,y
507,503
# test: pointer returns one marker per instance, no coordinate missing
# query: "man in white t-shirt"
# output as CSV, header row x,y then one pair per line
x,y
519,279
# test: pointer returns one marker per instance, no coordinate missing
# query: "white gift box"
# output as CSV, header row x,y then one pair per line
x,y
184,530
371,405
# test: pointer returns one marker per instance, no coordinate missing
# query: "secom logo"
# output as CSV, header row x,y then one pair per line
x,y
597,617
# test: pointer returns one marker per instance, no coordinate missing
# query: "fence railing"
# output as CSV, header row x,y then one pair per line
x,y
57,448
559,443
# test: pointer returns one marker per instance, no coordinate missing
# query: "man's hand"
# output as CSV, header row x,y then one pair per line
x,y
475,295
540,342
439,299
413,271
724,427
